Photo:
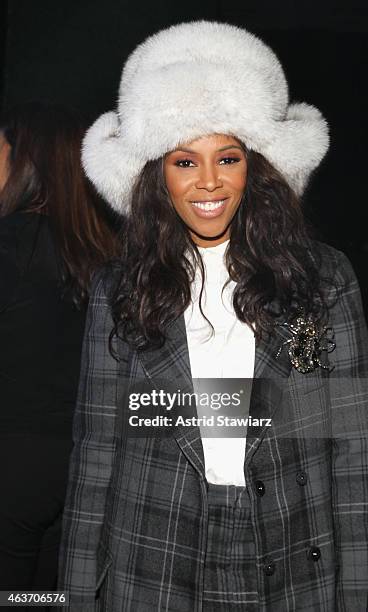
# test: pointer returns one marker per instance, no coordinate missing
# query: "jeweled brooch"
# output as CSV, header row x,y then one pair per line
x,y
307,343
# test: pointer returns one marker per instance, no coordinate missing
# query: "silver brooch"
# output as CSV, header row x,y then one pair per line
x,y
307,343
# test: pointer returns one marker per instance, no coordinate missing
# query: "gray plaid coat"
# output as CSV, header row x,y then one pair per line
x,y
134,530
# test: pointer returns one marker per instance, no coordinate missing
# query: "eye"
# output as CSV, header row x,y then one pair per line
x,y
183,163
230,160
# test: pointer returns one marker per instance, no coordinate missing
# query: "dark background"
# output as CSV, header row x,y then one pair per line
x,y
73,52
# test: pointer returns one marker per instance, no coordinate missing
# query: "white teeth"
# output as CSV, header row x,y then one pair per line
x,y
208,205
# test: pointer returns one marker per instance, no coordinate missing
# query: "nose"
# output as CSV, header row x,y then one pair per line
x,y
209,177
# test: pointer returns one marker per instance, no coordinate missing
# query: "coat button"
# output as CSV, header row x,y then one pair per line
x,y
314,553
269,567
260,488
302,478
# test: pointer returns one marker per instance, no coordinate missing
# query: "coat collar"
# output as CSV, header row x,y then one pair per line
x,y
171,363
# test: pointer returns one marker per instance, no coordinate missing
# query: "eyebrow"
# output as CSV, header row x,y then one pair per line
x,y
218,150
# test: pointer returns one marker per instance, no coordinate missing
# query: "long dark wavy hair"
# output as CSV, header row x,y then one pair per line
x,y
46,177
269,257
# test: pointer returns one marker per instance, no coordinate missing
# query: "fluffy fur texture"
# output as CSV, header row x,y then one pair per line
x,y
195,79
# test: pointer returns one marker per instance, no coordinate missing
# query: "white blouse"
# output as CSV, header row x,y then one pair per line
x,y
228,353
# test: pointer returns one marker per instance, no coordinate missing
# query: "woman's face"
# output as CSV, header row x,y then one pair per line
x,y
206,179
4,160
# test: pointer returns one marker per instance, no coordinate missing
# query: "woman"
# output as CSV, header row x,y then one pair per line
x,y
53,237
219,280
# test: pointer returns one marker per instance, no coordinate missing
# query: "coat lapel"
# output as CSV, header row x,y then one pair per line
x,y
267,364
270,377
170,366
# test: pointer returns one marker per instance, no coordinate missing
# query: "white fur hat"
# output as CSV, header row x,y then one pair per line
x,y
195,79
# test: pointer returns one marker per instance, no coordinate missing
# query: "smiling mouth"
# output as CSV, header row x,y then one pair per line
x,y
209,205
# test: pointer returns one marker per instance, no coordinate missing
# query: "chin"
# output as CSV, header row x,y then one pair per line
x,y
210,233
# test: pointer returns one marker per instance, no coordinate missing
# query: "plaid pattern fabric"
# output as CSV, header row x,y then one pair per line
x,y
136,514
230,578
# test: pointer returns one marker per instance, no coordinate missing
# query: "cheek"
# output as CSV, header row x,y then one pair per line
x,y
240,180
237,180
176,184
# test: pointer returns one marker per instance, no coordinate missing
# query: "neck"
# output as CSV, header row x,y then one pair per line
x,y
204,242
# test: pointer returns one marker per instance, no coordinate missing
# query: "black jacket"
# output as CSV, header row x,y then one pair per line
x,y
40,331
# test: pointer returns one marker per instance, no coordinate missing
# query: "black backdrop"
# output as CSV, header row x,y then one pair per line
x,y
73,51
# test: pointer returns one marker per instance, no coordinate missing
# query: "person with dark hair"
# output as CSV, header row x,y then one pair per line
x,y
53,238
220,287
